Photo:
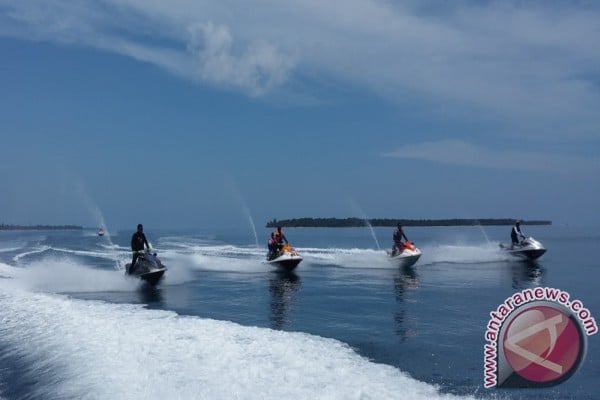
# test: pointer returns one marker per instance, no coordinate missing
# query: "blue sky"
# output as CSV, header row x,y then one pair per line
x,y
197,113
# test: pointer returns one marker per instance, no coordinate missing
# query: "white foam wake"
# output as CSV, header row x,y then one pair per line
x,y
9,249
88,349
347,258
63,275
462,253
37,250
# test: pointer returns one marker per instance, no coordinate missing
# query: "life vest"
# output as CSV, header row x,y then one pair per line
x,y
278,236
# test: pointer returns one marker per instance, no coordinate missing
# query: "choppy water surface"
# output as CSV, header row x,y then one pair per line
x,y
346,324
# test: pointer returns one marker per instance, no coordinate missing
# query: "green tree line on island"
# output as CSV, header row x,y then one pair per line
x,y
358,222
7,227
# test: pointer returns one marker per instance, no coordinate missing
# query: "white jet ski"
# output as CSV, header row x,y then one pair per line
x,y
528,249
406,255
286,259
147,267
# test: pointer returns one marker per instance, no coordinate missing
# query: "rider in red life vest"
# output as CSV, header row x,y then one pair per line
x,y
398,235
280,237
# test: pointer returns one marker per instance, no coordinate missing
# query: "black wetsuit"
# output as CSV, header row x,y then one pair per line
x,y
515,233
137,244
398,235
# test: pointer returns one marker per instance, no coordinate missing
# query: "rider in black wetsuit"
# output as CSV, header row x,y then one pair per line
x,y
516,233
137,244
398,235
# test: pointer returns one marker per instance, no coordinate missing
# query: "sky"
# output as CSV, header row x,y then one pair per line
x,y
206,114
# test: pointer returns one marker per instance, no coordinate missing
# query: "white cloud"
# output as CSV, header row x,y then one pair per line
x,y
203,51
457,152
529,66
258,69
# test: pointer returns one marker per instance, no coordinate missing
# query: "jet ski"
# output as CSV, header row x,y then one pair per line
x,y
286,259
100,232
528,249
406,255
147,267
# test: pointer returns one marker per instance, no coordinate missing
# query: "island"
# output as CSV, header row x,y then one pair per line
x,y
358,222
6,227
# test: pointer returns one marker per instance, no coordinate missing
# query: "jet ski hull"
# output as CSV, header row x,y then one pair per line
x,y
287,260
288,264
528,249
526,254
148,268
153,277
407,257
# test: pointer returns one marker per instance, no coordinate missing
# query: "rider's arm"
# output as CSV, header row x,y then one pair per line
x,y
147,244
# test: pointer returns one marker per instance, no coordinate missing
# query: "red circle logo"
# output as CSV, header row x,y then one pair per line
x,y
542,344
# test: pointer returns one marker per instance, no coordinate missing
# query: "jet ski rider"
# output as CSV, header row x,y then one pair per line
x,y
516,233
398,235
137,244
272,245
279,238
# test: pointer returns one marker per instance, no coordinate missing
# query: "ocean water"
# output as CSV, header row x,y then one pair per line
x,y
347,324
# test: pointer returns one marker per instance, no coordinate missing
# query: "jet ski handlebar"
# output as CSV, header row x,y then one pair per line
x,y
145,251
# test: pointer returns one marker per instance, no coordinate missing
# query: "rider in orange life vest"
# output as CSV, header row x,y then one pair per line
x,y
279,237
398,235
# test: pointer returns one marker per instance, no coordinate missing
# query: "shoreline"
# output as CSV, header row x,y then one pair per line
x,y
5,227
387,222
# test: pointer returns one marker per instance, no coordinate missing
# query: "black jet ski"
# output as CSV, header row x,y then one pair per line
x,y
286,259
528,249
147,267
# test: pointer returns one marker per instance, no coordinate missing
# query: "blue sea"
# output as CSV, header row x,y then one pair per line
x,y
346,324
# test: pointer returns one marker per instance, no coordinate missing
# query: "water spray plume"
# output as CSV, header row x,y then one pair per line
x,y
483,231
249,215
232,186
97,216
366,219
